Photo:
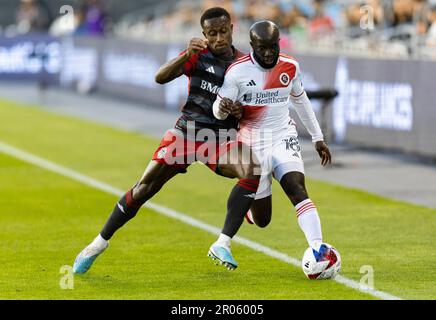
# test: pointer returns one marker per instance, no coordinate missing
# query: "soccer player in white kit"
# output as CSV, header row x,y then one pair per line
x,y
262,84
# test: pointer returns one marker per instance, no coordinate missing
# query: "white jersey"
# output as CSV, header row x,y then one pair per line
x,y
266,125
265,95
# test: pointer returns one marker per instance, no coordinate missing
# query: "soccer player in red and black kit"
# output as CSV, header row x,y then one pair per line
x,y
205,62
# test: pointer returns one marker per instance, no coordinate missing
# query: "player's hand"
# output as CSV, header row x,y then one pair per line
x,y
237,110
226,106
195,46
324,152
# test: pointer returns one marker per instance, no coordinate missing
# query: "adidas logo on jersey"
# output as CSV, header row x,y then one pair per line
x,y
210,69
251,83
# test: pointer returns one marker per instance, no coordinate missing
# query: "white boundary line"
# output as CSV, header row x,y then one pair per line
x,y
51,166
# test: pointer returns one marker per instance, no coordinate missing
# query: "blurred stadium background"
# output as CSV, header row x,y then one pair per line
x,y
379,56
369,66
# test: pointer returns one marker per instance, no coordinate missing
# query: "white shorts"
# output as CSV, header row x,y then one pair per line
x,y
282,157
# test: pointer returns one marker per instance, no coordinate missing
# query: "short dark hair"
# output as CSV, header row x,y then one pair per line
x,y
214,12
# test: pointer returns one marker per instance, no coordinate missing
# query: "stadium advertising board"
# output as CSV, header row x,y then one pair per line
x,y
35,58
127,69
385,104
80,63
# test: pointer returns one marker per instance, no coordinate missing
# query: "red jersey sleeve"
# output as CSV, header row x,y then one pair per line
x,y
189,65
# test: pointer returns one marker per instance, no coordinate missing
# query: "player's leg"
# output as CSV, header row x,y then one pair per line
x,y
161,169
154,177
289,171
293,183
239,162
260,212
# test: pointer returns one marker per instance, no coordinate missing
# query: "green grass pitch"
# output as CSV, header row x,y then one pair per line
x,y
46,219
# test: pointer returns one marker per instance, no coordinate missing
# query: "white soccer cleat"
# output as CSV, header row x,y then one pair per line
x,y
85,258
223,256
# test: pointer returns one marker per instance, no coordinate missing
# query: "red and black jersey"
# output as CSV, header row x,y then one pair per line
x,y
206,75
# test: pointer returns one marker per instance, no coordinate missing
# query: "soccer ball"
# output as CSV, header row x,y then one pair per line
x,y
322,264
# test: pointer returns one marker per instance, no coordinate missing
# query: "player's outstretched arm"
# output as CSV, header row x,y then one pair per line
x,y
304,109
225,102
174,68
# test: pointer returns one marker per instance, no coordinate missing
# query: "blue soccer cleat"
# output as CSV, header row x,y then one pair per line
x,y
85,258
223,256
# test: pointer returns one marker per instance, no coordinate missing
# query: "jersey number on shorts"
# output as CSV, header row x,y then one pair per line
x,y
292,144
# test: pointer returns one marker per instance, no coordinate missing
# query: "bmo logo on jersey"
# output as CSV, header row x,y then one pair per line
x,y
209,87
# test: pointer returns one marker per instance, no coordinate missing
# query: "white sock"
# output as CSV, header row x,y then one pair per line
x,y
224,240
309,222
99,242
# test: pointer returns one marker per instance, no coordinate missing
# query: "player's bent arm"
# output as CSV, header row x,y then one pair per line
x,y
176,67
172,69
229,90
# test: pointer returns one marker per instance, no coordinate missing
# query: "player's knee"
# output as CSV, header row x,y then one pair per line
x,y
263,222
261,212
144,191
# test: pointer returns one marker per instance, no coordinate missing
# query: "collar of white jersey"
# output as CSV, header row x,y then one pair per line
x,y
257,64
